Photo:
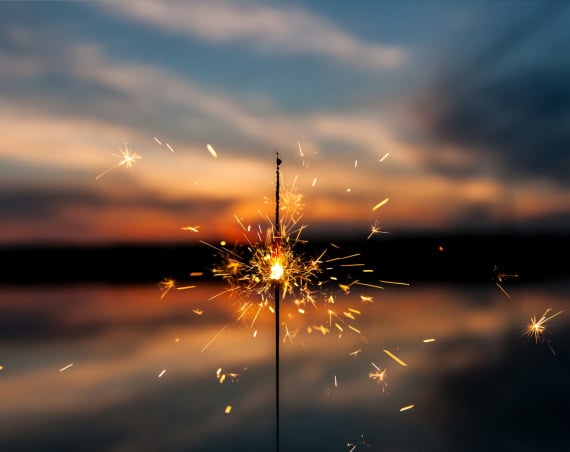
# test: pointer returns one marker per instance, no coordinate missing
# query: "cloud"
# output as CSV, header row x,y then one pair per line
x,y
518,121
264,27
505,110
95,87
45,212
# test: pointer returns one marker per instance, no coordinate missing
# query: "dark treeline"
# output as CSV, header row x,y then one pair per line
x,y
450,258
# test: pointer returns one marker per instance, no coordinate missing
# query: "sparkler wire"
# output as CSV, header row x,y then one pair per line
x,y
276,237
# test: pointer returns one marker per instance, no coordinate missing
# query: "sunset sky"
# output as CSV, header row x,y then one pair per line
x,y
455,112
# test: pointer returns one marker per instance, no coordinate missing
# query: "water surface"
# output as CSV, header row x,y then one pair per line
x,y
117,368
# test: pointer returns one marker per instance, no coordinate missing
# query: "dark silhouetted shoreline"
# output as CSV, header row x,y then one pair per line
x,y
461,258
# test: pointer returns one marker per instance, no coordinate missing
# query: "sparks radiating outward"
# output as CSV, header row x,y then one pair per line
x,y
273,264
537,328
128,159
252,270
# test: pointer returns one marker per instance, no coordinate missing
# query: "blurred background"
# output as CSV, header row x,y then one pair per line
x,y
429,138
454,111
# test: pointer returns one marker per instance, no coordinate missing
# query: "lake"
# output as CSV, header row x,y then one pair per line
x,y
427,367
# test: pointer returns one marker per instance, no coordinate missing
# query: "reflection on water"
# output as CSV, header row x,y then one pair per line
x,y
118,369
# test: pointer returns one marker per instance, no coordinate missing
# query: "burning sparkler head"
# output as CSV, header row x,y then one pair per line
x,y
276,261
276,270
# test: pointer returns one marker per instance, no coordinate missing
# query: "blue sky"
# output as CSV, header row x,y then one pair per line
x,y
454,111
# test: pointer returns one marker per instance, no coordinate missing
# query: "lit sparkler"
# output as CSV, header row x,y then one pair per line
x,y
128,159
272,261
271,267
276,275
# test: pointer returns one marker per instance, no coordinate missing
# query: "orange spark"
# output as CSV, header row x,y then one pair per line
x,y
395,358
211,150
380,204
190,228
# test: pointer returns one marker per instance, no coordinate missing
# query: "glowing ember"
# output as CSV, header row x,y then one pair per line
x,y
380,204
355,353
66,367
190,228
166,285
128,160
375,229
500,277
395,358
353,446
211,150
537,328
222,376
379,375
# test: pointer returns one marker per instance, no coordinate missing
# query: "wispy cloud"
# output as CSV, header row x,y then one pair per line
x,y
203,111
262,26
